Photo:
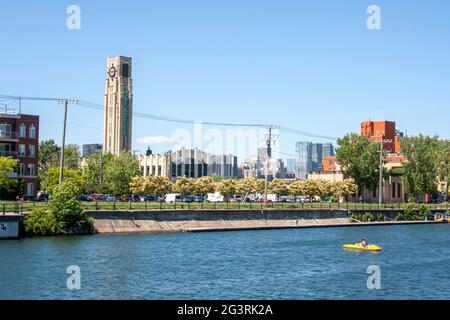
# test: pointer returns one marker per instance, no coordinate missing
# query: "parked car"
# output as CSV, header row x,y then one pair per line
x,y
172,198
97,197
215,197
236,199
188,199
437,197
109,198
149,198
199,199
44,197
303,200
134,198
270,198
85,198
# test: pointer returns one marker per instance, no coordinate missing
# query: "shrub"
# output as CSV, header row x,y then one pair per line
x,y
41,223
66,208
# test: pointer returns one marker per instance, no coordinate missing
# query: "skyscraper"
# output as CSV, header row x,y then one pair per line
x,y
118,103
309,157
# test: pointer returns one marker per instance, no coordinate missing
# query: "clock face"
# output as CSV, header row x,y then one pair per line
x,y
112,72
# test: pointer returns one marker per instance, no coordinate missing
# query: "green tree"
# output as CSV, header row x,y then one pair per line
x,y
94,173
151,185
50,180
41,223
227,188
444,164
184,186
48,154
422,165
297,188
8,167
204,185
360,159
279,188
120,171
65,207
72,156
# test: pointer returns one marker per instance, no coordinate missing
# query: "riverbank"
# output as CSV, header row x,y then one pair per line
x,y
107,222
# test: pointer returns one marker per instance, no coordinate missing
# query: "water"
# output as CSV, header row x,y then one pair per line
x,y
274,264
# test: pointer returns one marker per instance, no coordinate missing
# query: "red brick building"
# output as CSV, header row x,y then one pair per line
x,y
382,130
19,139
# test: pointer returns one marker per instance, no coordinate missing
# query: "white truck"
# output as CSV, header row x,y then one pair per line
x,y
215,197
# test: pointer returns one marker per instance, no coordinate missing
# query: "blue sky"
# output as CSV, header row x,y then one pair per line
x,y
309,65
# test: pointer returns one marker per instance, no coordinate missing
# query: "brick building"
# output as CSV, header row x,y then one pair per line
x,y
383,130
19,139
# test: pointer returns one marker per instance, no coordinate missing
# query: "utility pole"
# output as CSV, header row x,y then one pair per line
x,y
66,103
381,169
269,156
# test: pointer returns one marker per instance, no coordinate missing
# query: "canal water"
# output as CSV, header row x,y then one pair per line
x,y
269,264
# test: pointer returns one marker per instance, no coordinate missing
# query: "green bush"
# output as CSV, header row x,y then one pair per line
x,y
66,208
40,223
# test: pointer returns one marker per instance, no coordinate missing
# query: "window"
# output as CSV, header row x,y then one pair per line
x,y
21,169
31,169
5,130
31,150
21,150
394,184
22,131
30,189
374,193
32,133
399,190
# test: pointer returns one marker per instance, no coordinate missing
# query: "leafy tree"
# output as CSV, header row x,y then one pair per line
x,y
444,164
7,167
50,180
184,186
151,185
343,189
422,165
360,159
120,171
94,173
65,207
279,187
297,188
227,188
313,188
249,185
204,185
48,154
72,156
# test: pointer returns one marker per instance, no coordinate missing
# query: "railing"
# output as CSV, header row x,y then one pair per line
x,y
25,206
8,154
8,135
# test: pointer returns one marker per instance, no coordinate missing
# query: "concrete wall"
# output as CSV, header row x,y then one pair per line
x,y
10,226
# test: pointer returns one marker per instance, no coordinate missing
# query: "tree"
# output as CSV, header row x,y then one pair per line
x,y
360,159
8,167
227,188
422,165
249,185
204,185
72,156
278,187
50,180
120,171
342,189
444,164
312,188
65,207
94,173
48,154
297,188
184,186
151,185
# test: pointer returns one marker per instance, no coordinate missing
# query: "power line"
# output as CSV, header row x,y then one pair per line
x,y
142,115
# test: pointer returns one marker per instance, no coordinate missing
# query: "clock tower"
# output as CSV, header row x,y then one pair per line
x,y
118,106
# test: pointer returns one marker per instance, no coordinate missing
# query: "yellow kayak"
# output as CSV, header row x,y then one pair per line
x,y
359,247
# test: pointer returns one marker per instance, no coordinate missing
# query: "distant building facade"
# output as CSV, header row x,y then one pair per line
x,y
309,157
19,139
192,163
118,106
383,130
89,149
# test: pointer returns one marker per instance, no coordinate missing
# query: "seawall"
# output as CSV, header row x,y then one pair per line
x,y
224,220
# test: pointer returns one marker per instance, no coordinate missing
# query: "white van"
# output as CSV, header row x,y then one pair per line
x,y
215,197
172,198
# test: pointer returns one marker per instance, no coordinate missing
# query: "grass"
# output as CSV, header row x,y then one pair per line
x,y
12,206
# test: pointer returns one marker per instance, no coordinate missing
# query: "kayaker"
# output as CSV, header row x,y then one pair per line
x,y
363,243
